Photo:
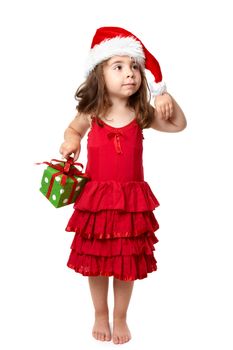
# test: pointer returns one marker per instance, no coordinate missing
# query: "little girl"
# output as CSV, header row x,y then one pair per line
x,y
113,219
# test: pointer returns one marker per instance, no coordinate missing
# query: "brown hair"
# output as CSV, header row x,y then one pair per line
x,y
93,98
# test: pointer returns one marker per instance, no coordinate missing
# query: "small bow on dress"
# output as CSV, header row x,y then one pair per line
x,y
116,139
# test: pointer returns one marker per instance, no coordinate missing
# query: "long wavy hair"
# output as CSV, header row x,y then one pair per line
x,y
93,98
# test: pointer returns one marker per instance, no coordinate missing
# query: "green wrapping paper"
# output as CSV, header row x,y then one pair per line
x,y
58,192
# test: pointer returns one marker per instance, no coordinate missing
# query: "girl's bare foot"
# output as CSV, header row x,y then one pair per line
x,y
121,333
101,329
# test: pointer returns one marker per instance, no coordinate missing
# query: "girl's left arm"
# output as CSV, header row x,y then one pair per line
x,y
168,116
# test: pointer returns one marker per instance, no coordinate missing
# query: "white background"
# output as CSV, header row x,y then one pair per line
x,y
187,303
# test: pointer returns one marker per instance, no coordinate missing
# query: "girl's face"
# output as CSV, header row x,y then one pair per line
x,y
122,76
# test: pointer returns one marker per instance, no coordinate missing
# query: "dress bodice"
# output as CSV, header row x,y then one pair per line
x,y
115,153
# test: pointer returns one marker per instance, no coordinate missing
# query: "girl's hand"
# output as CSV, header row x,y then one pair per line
x,y
164,106
68,147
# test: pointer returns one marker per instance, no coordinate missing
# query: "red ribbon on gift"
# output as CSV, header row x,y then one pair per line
x,y
65,171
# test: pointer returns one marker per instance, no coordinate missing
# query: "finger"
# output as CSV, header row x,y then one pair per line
x,y
164,112
171,110
62,154
65,155
167,112
159,114
62,151
76,155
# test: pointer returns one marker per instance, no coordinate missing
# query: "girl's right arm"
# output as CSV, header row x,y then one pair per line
x,y
73,135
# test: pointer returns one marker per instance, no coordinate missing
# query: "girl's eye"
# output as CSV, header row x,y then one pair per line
x,y
135,66
118,67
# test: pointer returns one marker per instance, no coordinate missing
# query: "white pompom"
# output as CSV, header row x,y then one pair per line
x,y
157,88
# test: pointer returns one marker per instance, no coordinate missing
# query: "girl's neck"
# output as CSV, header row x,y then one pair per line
x,y
120,112
119,108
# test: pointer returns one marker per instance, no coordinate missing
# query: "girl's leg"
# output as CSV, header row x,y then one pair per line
x,y
122,295
99,292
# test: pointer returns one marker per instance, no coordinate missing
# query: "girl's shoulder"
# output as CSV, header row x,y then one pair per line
x,y
90,118
86,117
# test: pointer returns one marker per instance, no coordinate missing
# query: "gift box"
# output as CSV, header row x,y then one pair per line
x,y
62,183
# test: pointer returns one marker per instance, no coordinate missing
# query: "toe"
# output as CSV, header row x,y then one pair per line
x,y
107,337
94,334
115,339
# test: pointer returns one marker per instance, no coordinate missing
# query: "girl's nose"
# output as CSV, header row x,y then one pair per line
x,y
130,74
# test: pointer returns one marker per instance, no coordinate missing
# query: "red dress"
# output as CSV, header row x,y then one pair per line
x,y
113,219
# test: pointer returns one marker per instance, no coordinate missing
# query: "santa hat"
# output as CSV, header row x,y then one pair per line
x,y
114,41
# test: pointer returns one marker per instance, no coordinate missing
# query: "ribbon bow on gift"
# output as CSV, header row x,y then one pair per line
x,y
116,135
66,170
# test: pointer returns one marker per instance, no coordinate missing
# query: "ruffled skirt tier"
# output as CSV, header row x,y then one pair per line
x,y
114,230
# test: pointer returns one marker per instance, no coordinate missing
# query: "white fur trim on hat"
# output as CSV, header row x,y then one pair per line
x,y
157,88
118,46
